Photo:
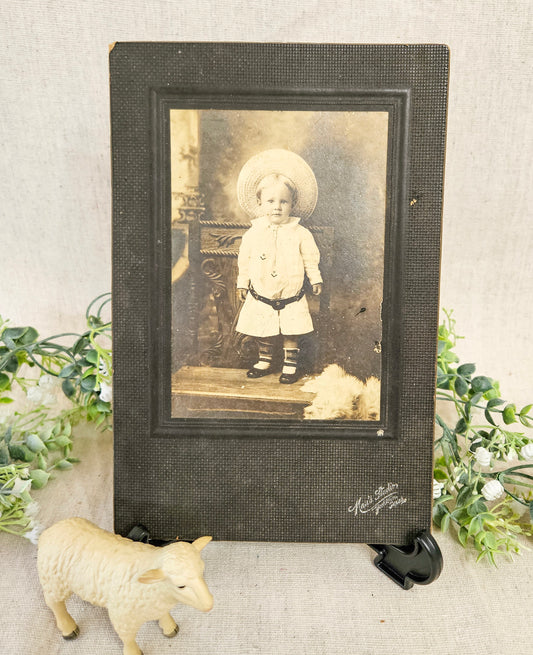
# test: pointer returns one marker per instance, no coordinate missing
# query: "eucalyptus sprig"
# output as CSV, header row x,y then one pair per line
x,y
36,442
478,463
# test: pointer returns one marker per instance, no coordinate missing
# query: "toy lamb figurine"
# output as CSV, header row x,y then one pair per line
x,y
136,582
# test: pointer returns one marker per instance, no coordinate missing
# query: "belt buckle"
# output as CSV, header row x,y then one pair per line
x,y
278,304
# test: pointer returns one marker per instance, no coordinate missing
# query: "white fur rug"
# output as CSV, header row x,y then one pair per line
x,y
339,395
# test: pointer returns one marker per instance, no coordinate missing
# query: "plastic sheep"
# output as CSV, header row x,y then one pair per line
x,y
136,582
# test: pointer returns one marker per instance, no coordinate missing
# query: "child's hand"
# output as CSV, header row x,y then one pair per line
x,y
241,294
317,289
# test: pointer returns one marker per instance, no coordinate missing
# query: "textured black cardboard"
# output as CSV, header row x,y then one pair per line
x,y
324,481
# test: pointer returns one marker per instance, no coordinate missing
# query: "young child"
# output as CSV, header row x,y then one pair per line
x,y
278,188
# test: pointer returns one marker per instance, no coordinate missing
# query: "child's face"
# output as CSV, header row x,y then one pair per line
x,y
276,202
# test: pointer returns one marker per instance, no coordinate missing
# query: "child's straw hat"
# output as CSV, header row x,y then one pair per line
x,y
282,162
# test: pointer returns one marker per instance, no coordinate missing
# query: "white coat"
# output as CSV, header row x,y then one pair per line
x,y
274,259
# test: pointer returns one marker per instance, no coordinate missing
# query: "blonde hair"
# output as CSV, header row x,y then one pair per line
x,y
276,177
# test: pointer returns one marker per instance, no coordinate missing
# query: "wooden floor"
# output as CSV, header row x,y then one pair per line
x,y
202,391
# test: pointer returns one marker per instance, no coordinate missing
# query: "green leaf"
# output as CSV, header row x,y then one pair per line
x,y
88,383
445,522
489,417
17,451
490,540
443,383
68,388
494,402
492,393
438,512
525,410
34,443
20,452
4,455
13,333
531,511
478,542
30,336
463,535
12,364
63,441
476,398
5,400
68,371
525,422
509,414
443,499
460,386
5,381
481,383
92,357
462,497
63,465
475,526
476,508
80,344
38,478
461,426
466,369
94,321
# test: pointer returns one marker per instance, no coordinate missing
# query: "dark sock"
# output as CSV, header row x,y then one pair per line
x,y
290,361
266,351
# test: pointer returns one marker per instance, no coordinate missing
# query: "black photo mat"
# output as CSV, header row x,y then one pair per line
x,y
199,449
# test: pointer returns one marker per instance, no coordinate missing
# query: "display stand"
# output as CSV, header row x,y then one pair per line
x,y
418,563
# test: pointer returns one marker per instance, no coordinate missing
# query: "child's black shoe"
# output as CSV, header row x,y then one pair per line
x,y
289,378
258,372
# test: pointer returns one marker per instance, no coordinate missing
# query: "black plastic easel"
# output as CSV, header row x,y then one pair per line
x,y
419,563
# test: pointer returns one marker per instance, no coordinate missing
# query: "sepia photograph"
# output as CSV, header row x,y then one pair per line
x,y
278,246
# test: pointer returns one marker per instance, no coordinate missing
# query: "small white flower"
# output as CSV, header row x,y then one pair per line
x,y
35,395
32,509
492,490
106,392
34,532
437,488
527,451
482,456
511,456
47,381
20,487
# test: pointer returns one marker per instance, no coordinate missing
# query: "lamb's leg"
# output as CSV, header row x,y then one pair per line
x,y
168,625
64,621
127,631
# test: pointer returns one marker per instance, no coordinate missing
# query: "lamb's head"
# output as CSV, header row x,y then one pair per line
x,y
181,566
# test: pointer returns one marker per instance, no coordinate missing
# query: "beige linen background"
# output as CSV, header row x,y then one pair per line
x,y
56,251
55,181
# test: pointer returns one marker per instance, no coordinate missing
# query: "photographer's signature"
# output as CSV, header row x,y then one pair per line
x,y
384,497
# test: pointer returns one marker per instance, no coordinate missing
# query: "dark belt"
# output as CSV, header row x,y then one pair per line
x,y
277,303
